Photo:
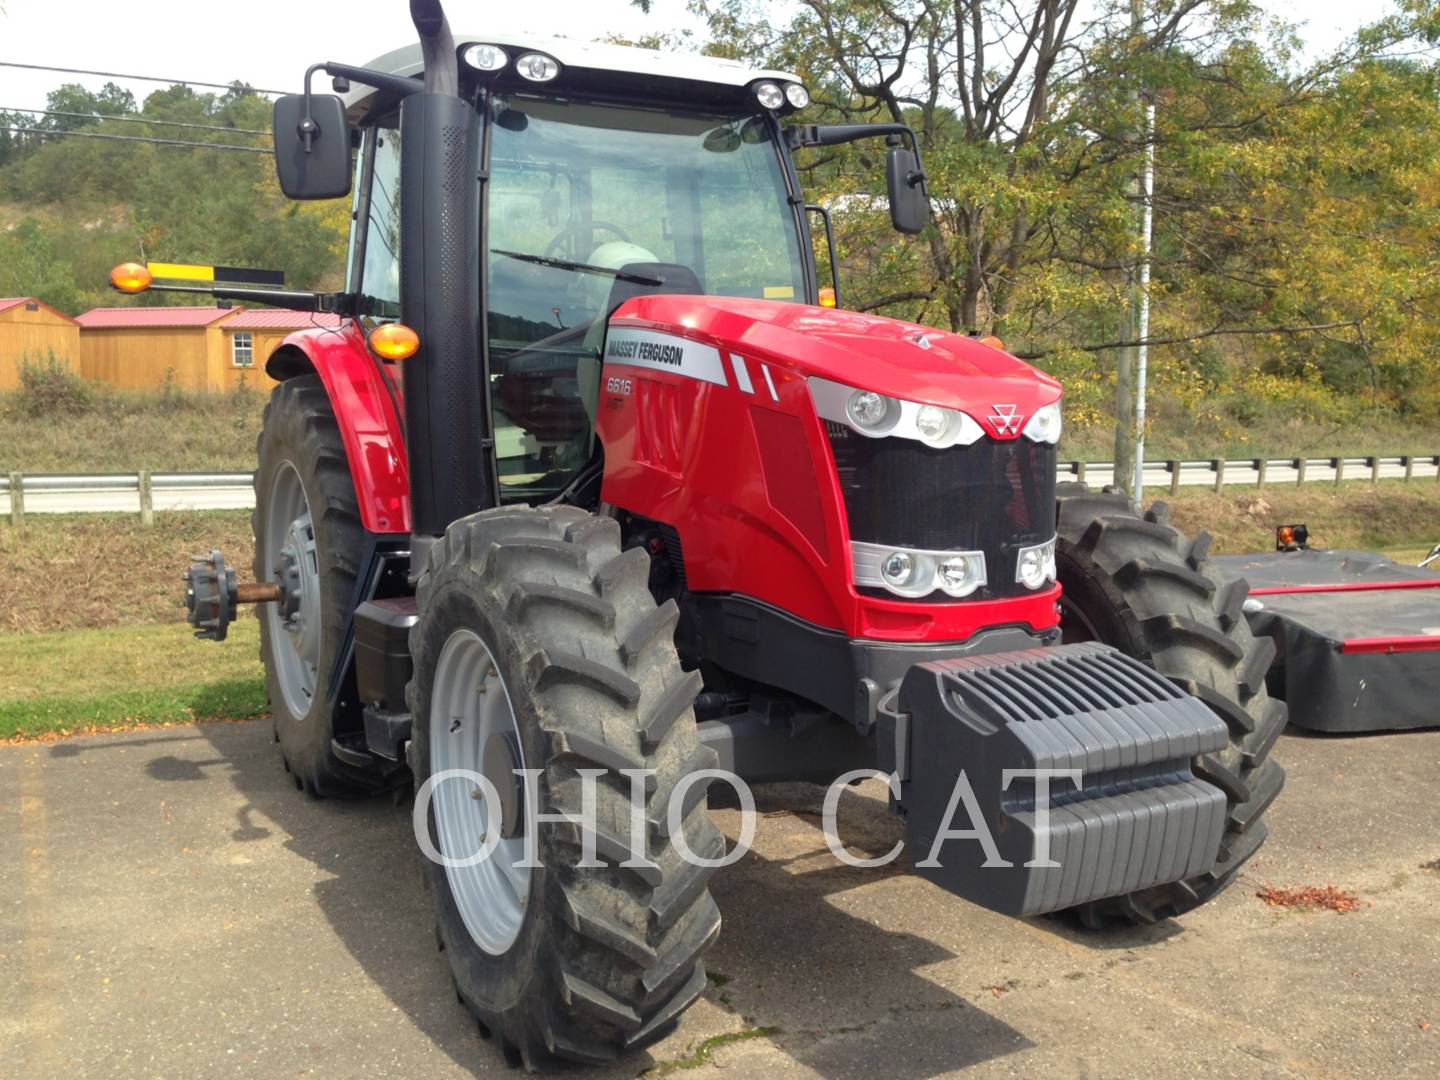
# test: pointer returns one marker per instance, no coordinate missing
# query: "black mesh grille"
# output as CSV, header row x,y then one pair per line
x,y
992,496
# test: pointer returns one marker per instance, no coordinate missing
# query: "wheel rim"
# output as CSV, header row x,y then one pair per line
x,y
290,557
469,703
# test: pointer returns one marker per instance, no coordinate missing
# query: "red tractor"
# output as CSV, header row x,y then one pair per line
x,y
617,500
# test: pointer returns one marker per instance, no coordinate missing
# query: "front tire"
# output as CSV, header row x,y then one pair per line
x,y
1137,583
307,529
582,963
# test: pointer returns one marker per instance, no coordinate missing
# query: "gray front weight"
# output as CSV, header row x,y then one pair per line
x,y
1139,818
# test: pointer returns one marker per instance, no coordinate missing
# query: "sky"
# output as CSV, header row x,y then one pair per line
x,y
275,41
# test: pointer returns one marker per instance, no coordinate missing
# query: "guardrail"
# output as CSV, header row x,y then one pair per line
x,y
144,492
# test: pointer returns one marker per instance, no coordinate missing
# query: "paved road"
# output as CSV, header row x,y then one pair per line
x,y
171,907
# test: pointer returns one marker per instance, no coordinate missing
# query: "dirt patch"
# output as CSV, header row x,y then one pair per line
x,y
1310,897
69,572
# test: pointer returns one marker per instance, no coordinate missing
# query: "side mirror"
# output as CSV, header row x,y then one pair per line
x,y
909,205
317,167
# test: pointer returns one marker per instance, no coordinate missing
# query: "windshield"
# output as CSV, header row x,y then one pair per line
x,y
588,206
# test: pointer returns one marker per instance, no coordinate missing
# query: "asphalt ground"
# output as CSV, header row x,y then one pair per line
x,y
171,906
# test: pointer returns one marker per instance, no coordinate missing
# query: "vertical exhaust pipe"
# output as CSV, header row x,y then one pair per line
x,y
446,428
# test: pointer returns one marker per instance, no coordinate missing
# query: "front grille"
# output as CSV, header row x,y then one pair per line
x,y
991,496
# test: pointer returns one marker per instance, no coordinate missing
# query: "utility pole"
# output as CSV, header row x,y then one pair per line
x,y
1142,324
1125,361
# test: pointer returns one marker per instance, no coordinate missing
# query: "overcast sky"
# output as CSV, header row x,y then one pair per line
x,y
273,41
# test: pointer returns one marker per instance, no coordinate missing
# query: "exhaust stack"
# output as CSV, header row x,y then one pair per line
x,y
446,427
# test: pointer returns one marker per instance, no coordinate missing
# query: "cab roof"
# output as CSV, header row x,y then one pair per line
x,y
670,76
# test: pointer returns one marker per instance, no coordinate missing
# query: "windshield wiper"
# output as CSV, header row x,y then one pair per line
x,y
579,267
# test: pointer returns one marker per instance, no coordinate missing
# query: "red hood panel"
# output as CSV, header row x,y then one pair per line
x,y
864,351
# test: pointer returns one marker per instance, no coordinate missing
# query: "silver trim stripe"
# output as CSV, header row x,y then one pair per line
x,y
742,374
766,372
665,352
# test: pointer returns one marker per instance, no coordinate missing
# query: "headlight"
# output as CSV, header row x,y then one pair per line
x,y
769,95
797,95
1044,426
1034,566
961,574
913,574
898,569
870,412
486,57
537,67
874,415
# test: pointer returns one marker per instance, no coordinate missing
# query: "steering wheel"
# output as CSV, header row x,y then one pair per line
x,y
578,227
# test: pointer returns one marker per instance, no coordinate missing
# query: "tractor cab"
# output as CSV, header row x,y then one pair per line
x,y
610,173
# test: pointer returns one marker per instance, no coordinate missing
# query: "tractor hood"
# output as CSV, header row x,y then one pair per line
x,y
890,356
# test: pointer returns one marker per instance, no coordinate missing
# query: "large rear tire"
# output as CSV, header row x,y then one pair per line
x,y
581,963
1137,583
307,527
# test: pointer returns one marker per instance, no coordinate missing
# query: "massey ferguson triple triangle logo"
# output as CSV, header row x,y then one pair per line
x,y
1006,419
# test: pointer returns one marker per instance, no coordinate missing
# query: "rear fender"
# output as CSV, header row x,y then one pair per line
x,y
366,397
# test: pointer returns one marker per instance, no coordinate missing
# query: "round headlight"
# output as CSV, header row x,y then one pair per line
x,y
1044,426
1031,570
898,568
959,575
769,95
486,57
869,411
797,95
537,67
932,422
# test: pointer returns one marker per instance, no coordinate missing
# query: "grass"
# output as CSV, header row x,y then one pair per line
x,y
119,677
91,632
70,571
1399,518
704,1051
165,430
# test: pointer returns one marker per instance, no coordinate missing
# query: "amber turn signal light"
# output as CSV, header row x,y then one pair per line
x,y
993,341
1292,538
827,297
130,278
394,341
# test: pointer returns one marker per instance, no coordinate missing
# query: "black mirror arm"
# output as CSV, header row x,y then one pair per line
x,y
399,85
802,135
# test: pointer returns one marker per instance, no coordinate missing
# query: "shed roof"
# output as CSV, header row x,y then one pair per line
x,y
118,318
6,303
281,319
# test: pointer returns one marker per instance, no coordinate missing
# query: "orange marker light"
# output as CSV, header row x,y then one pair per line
x,y
827,297
993,341
130,278
394,341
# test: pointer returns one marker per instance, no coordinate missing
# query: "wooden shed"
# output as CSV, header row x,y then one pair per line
x,y
32,328
140,348
198,348
251,336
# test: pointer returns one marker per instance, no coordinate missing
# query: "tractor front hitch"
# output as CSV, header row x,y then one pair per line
x,y
212,595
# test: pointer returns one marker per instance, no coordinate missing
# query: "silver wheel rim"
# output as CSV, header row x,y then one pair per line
x,y
290,553
468,704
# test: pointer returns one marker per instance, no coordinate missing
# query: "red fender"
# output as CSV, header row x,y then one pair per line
x,y
365,403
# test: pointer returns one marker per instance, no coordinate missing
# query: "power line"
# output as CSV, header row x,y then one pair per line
x,y
138,120
139,78
139,139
